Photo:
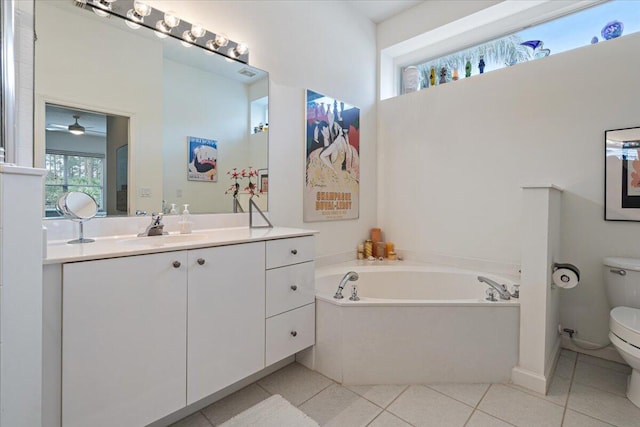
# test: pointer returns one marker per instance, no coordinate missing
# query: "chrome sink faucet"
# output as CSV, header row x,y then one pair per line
x,y
156,228
502,289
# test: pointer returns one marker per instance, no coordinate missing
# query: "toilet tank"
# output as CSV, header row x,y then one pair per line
x,y
622,281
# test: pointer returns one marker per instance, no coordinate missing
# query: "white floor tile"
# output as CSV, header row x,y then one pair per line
x,y
194,420
568,353
381,395
558,391
295,383
338,406
480,419
625,369
232,405
465,393
576,419
520,408
565,366
603,378
386,419
422,406
608,407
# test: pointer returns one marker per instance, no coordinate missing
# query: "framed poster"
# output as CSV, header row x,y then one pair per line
x,y
203,159
263,180
332,173
622,175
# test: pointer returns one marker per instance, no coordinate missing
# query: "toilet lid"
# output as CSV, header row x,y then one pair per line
x,y
625,323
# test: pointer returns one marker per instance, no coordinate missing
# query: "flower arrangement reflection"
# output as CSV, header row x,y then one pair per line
x,y
237,176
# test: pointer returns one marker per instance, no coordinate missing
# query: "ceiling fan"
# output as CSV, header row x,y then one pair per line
x,y
74,128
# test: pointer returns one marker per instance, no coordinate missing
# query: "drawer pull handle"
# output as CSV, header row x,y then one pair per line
x,y
201,261
176,264
294,251
294,333
294,287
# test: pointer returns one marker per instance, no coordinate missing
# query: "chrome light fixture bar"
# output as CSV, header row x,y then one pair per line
x,y
136,13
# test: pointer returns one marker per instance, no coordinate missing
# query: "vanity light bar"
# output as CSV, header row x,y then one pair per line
x,y
156,20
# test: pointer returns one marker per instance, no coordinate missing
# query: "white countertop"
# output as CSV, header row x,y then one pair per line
x,y
126,245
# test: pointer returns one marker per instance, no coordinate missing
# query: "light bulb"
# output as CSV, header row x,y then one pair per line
x,y
131,14
171,19
142,9
231,52
221,40
197,31
188,37
100,7
242,49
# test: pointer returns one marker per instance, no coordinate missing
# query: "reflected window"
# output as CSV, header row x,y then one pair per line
x,y
73,172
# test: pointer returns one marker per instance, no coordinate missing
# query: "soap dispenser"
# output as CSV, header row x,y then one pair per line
x,y
173,210
185,221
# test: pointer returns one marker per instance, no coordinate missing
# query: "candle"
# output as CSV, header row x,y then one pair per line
x,y
376,235
368,248
390,248
379,250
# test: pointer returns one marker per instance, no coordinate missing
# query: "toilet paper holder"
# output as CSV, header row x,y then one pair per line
x,y
565,266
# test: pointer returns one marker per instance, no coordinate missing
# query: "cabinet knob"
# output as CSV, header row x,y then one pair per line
x,y
294,333
294,251
294,287
201,261
176,264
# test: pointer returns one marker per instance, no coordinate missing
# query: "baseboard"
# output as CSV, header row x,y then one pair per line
x,y
608,353
530,380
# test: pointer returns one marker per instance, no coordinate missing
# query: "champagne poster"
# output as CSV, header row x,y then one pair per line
x,y
332,173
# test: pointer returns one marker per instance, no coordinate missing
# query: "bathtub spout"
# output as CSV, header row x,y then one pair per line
x,y
502,289
351,276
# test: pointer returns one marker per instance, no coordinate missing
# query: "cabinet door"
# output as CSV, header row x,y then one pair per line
x,y
225,317
123,340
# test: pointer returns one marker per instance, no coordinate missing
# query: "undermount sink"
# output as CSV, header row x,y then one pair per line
x,y
167,239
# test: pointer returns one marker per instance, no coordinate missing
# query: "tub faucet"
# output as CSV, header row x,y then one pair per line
x,y
502,289
351,276
156,228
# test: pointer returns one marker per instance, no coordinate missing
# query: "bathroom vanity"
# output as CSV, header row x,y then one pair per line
x,y
140,327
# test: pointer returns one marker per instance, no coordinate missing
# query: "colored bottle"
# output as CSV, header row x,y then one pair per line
x,y
467,69
455,74
432,76
481,64
443,75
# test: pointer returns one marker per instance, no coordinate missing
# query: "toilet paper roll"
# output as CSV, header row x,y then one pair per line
x,y
566,276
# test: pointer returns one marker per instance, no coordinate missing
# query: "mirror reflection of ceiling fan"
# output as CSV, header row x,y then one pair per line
x,y
74,128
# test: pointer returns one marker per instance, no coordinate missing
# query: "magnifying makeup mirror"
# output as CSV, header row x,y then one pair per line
x,y
79,207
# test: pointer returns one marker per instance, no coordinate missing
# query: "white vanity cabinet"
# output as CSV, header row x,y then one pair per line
x,y
123,340
290,304
225,317
143,336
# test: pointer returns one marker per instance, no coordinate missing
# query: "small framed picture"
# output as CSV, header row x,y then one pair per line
x,y
203,159
622,175
263,180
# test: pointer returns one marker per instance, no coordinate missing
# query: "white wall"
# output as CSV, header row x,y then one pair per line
x,y
453,158
286,39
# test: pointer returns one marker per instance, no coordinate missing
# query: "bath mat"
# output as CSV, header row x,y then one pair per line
x,y
272,412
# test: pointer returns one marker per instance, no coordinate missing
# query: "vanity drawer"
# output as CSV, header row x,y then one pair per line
x,y
290,332
290,287
290,251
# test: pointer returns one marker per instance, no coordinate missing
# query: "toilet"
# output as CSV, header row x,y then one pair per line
x,y
622,284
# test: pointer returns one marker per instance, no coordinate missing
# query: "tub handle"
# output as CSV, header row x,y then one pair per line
x,y
618,271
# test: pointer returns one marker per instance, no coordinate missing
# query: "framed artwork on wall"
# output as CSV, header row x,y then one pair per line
x,y
332,172
263,180
203,159
622,174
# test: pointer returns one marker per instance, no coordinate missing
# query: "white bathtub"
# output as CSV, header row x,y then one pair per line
x,y
415,323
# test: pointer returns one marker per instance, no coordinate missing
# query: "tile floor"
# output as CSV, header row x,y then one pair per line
x,y
585,392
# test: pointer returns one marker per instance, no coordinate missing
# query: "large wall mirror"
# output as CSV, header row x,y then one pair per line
x,y
151,111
